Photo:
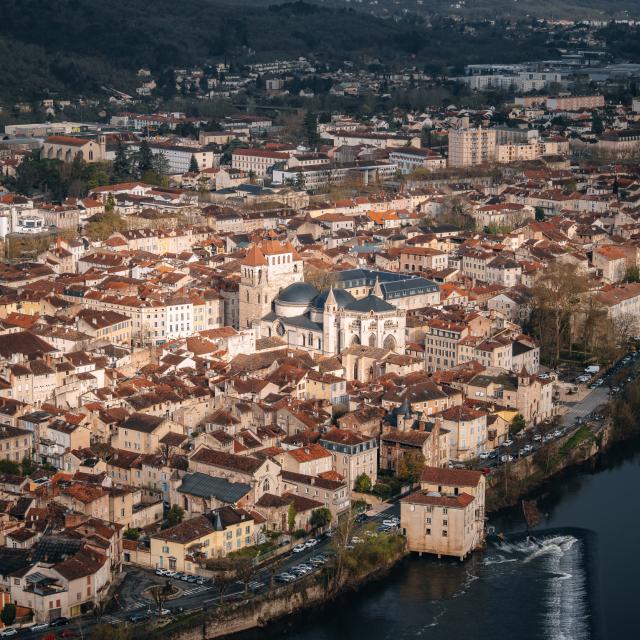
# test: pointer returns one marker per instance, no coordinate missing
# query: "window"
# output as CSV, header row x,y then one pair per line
x,y
428,532
444,533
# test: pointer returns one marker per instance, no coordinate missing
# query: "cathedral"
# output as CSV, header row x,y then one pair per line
x,y
364,307
327,322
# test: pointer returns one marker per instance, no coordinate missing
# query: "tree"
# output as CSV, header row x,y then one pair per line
x,y
291,517
103,226
121,169
597,126
633,274
131,534
517,424
310,127
320,278
144,158
246,570
175,515
363,483
320,518
193,165
160,164
160,593
556,304
10,467
8,614
27,466
110,204
410,466
456,211
300,182
110,632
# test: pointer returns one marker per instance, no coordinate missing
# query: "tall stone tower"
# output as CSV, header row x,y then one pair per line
x,y
266,269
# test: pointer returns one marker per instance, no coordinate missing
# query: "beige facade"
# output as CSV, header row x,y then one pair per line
x,y
353,454
15,444
214,535
446,517
469,147
68,148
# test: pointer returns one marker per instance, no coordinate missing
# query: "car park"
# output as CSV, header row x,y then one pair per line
x,y
285,577
255,586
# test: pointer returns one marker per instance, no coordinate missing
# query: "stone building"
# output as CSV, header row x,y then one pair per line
x,y
265,271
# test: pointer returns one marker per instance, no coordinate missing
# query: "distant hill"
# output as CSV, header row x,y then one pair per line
x,y
71,47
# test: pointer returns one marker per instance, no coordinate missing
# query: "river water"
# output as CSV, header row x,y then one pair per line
x,y
574,578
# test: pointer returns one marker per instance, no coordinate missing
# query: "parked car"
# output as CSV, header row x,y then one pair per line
x,y
59,622
40,626
161,572
68,633
506,458
484,455
9,632
164,612
507,443
312,542
299,547
136,618
361,517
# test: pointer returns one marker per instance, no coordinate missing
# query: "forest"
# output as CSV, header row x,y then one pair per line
x,y
78,46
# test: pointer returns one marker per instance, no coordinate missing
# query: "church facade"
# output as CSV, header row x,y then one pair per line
x,y
330,321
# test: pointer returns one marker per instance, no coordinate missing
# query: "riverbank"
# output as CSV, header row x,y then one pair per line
x,y
279,602
516,480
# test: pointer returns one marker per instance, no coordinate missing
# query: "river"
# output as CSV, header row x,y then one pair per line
x,y
574,578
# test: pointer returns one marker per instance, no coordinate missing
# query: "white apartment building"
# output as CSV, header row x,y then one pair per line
x,y
470,146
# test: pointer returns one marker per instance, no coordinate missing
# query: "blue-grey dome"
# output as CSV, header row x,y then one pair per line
x,y
343,298
297,293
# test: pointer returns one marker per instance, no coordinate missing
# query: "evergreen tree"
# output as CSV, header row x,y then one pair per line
x,y
310,126
145,157
193,165
121,170
160,164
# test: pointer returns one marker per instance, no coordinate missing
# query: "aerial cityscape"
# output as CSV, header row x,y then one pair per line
x,y
319,317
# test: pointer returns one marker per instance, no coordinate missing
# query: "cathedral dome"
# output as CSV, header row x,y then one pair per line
x,y
298,293
295,300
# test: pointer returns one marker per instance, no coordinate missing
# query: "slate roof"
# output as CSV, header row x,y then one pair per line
x,y
370,303
205,486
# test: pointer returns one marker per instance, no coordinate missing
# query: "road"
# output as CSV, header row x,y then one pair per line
x,y
578,410
129,598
